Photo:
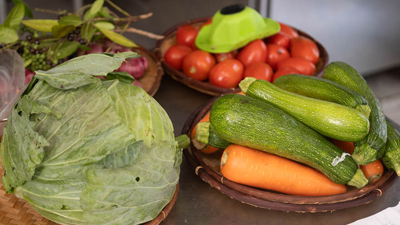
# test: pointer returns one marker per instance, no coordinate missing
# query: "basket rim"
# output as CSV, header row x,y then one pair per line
x,y
269,199
206,87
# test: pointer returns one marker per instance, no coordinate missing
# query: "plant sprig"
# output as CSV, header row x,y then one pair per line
x,y
51,41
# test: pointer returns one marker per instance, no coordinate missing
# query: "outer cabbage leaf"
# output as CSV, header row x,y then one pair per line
x,y
21,150
133,194
146,119
89,129
110,158
79,71
58,201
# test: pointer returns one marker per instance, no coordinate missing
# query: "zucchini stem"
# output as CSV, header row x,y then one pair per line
x,y
202,132
183,141
364,154
358,180
245,83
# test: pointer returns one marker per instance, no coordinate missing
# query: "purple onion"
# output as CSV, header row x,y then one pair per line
x,y
135,67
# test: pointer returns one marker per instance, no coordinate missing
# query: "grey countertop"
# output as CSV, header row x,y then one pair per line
x,y
200,204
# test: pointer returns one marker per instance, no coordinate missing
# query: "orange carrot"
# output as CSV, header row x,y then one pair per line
x,y
263,170
346,146
372,171
208,149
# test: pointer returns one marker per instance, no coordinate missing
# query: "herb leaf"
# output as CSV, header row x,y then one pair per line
x,y
87,31
96,6
70,20
104,25
7,35
28,11
60,31
40,25
15,16
66,48
117,38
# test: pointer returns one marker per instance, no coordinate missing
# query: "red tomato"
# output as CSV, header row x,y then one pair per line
x,y
222,56
255,51
198,64
280,39
259,70
186,35
301,64
284,71
276,53
304,47
292,33
227,74
175,54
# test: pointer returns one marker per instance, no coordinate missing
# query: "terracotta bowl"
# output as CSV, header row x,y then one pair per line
x,y
206,166
204,86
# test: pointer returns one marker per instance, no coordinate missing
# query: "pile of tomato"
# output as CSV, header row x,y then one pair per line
x,y
283,53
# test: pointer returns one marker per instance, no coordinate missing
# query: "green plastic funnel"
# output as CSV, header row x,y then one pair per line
x,y
233,27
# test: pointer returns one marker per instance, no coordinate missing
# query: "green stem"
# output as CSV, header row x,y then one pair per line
x,y
183,141
117,8
364,154
358,179
245,83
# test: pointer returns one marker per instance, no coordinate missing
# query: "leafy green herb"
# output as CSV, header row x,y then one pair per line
x,y
70,20
60,31
15,16
117,38
52,41
28,11
7,35
104,25
40,25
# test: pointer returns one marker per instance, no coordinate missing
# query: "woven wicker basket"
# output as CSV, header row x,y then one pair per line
x,y
207,167
15,211
204,86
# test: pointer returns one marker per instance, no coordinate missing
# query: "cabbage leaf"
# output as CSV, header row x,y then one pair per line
x,y
93,152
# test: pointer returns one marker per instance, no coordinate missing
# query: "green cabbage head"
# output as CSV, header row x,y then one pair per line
x,y
82,150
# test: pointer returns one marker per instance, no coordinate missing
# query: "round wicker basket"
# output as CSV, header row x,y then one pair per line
x,y
204,86
206,166
15,211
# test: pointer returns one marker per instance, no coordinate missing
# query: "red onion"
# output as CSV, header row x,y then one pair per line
x,y
28,75
135,67
95,49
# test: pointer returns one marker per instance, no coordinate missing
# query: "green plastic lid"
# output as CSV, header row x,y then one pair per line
x,y
233,27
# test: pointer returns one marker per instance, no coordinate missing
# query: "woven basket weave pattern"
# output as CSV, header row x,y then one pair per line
x,y
15,211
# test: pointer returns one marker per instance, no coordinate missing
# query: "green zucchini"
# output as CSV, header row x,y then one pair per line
x,y
370,148
328,118
323,89
206,135
391,158
257,124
